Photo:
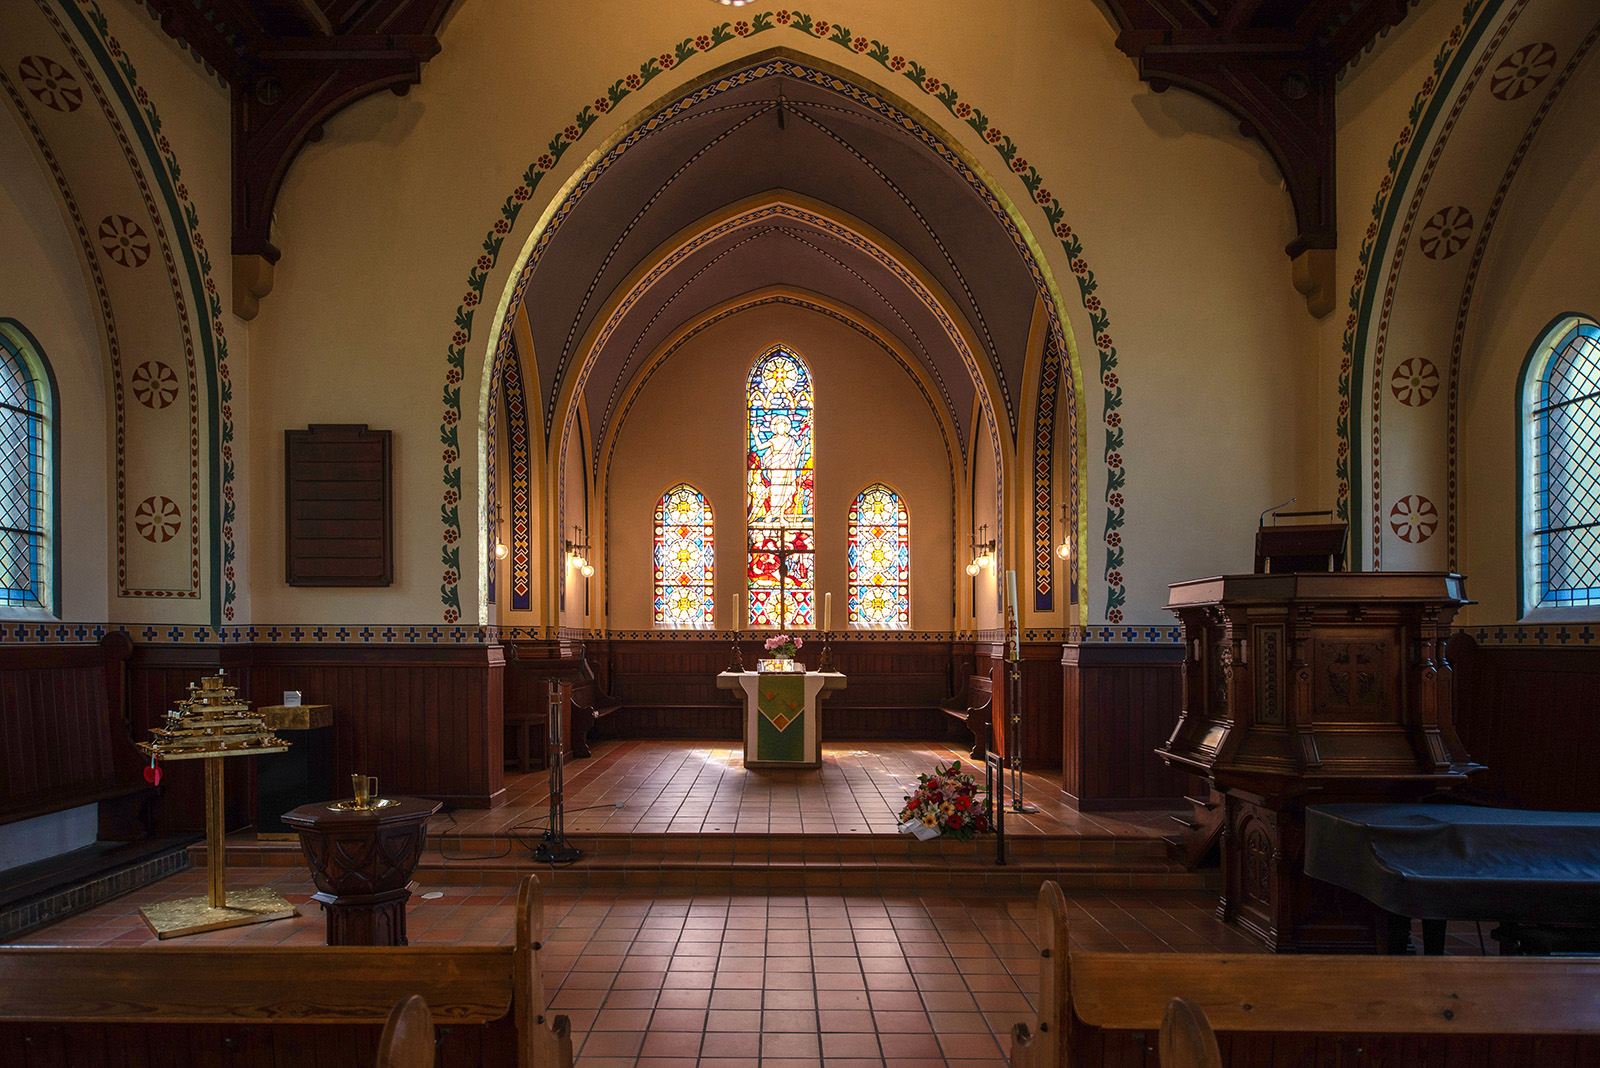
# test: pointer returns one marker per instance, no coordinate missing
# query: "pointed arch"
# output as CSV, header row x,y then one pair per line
x,y
30,553
879,556
780,490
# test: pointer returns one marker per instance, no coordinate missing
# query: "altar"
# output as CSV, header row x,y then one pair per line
x,y
781,720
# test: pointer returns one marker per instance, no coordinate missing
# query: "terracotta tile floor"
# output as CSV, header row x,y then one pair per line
x,y
700,787
697,980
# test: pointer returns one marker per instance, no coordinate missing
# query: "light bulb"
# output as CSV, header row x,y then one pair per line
x,y
1064,550
587,569
500,550
972,568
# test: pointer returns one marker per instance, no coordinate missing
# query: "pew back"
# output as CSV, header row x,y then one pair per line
x,y
1267,1010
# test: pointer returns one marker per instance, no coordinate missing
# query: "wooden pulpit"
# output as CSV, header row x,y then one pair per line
x,y
1311,688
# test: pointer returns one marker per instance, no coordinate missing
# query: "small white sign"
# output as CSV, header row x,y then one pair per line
x,y
291,698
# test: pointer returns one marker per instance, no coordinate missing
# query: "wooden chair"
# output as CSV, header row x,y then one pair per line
x,y
1270,1010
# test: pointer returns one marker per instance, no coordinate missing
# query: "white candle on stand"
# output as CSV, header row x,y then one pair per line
x,y
736,611
1011,591
827,611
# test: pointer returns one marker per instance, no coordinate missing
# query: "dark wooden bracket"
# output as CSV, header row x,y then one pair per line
x,y
290,66
1274,66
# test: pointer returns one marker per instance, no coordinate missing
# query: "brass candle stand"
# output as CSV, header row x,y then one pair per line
x,y
736,664
211,725
826,663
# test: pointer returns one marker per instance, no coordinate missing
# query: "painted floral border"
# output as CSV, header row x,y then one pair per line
x,y
917,74
1359,305
191,218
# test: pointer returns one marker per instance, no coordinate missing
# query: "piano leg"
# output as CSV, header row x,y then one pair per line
x,y
1433,938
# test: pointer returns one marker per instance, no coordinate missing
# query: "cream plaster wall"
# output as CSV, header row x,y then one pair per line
x,y
872,425
43,287
1542,263
1372,107
1183,222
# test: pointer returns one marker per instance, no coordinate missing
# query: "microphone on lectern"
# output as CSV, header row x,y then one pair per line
x,y
1263,520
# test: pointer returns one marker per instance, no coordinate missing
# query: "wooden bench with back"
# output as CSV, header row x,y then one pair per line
x,y
971,707
276,1007
590,704
1336,1011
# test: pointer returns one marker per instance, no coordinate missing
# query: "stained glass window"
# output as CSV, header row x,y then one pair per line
x,y
880,559
24,468
779,492
684,557
1564,428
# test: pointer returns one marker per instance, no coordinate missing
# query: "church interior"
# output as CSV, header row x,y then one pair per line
x,y
515,376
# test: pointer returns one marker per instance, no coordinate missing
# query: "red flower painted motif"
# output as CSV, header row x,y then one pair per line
x,y
502,226
183,193
666,60
1414,518
1043,196
522,192
993,135
1383,186
154,384
931,85
450,576
1114,539
1110,380
1114,459
470,300
821,27
545,163
897,63
783,18
1115,500
963,111
741,28
1092,304
1445,233
124,241
450,614
157,519
1103,341
602,105
1063,231
451,535
459,337
454,376
632,82
484,263
449,456
1113,419
451,497
1415,381
1114,578
1019,164
1114,616
571,133
1522,71
50,83
1080,266
861,44
702,43
450,418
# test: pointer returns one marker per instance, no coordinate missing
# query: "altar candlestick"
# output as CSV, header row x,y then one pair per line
x,y
736,611
827,611
1011,590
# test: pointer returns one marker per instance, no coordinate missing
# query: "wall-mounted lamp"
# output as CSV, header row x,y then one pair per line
x,y
500,547
982,551
576,548
1064,550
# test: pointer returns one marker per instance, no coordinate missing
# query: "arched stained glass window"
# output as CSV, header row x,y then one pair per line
x,y
880,559
1563,427
25,470
780,492
684,557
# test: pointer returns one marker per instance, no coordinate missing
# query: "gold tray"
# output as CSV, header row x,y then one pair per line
x,y
352,805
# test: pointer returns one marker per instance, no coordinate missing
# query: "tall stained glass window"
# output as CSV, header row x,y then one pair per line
x,y
24,473
1563,426
779,493
684,557
880,559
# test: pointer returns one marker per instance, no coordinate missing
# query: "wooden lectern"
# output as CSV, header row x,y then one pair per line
x,y
1312,688
1306,547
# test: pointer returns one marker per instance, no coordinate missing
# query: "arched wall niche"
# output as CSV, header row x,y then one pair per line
x,y
573,381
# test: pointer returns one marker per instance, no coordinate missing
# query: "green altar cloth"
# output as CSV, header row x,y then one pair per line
x,y
780,729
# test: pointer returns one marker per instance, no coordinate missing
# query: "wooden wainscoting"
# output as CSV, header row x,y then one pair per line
x,y
425,719
1532,717
1041,698
1120,702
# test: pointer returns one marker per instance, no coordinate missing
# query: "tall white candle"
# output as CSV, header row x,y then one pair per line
x,y
1011,590
827,611
736,611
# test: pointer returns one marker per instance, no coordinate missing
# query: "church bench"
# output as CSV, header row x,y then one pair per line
x,y
1106,1008
971,708
65,741
590,704
275,1007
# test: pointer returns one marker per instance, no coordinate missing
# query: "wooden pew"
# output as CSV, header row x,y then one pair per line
x,y
271,1007
1439,1012
972,708
407,1039
590,704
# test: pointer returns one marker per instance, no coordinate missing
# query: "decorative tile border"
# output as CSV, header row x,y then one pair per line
x,y
935,88
1536,635
1363,287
